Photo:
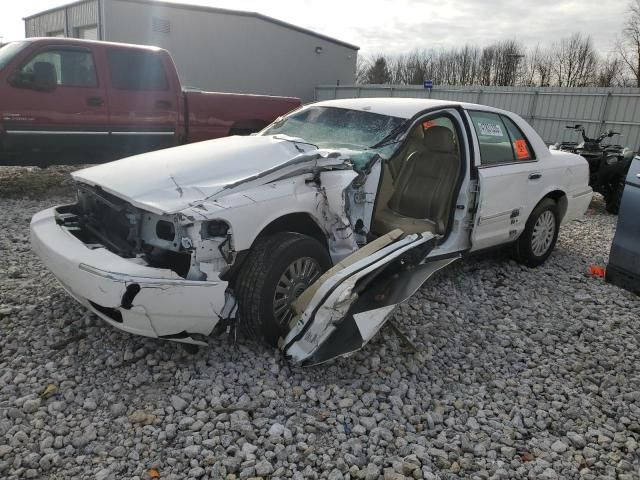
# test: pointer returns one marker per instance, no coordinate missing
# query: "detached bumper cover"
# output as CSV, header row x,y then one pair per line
x,y
162,305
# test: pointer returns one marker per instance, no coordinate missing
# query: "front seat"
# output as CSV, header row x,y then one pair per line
x,y
427,181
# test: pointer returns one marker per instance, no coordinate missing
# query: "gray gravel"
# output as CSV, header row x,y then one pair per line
x,y
518,373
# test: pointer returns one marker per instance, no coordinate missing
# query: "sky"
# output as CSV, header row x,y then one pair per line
x,y
396,26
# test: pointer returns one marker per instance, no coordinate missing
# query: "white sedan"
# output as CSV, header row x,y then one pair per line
x,y
310,233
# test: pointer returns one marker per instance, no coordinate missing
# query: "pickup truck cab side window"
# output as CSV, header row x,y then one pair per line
x,y
136,70
500,139
72,67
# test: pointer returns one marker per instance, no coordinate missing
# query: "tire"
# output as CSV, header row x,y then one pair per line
x,y
612,201
261,289
534,246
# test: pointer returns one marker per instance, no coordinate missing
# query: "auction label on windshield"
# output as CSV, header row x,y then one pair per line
x,y
491,129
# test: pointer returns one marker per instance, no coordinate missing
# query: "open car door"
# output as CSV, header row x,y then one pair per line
x,y
623,269
348,305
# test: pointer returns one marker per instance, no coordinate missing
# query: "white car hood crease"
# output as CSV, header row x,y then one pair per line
x,y
170,180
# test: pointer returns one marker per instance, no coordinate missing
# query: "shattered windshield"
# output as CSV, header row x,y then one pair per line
x,y
8,51
330,127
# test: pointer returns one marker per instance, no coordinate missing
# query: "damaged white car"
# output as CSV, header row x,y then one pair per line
x,y
310,233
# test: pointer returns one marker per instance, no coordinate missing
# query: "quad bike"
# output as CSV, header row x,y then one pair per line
x,y
608,164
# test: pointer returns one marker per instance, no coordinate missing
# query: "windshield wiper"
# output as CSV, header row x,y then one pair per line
x,y
388,139
287,138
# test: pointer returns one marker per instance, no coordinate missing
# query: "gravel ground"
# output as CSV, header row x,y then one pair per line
x,y
517,373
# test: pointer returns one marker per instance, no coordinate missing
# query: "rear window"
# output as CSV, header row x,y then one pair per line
x,y
521,146
135,70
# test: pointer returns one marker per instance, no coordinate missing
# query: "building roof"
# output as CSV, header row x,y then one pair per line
x,y
223,11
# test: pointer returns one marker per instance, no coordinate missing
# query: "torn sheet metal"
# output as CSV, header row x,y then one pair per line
x,y
335,298
350,327
167,181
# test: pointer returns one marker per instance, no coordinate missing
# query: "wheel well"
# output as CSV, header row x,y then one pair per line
x,y
561,199
296,222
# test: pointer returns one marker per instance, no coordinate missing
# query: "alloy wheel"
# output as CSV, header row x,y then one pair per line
x,y
543,232
296,278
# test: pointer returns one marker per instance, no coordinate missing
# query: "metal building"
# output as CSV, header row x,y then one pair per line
x,y
213,48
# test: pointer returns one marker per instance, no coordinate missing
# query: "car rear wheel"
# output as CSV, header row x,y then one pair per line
x,y
540,234
277,270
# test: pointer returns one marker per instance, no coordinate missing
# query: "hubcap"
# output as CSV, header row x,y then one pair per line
x,y
296,278
543,232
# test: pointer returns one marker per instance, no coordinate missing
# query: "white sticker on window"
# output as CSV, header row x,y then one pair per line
x,y
492,129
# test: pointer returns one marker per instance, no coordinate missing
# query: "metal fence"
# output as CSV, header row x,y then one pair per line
x,y
547,109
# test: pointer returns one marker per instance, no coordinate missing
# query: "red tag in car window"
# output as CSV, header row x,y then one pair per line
x,y
428,124
522,152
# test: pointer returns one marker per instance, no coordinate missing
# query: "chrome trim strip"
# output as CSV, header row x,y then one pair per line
x,y
123,277
588,191
496,215
80,132
143,133
54,132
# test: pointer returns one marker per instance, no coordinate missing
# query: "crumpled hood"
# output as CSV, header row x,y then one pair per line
x,y
170,180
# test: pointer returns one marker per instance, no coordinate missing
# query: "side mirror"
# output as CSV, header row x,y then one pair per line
x,y
42,78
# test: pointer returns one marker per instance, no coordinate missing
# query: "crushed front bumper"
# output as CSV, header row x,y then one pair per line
x,y
125,293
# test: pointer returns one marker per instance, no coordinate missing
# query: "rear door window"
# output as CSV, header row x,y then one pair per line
x,y
493,137
136,70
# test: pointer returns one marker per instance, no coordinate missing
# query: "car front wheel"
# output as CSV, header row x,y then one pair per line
x,y
277,270
540,234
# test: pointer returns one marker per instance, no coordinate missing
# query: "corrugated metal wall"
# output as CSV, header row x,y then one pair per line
x,y
80,14
43,25
548,109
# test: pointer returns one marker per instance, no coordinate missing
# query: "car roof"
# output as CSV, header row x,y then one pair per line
x,y
61,41
399,106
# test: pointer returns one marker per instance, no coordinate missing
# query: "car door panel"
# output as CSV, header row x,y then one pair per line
x,y
624,260
502,203
510,180
72,115
351,305
144,99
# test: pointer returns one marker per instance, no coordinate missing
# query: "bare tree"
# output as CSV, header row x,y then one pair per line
x,y
574,61
362,69
571,62
611,73
629,46
485,67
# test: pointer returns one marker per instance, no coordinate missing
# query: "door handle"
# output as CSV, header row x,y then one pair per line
x,y
95,101
164,104
535,176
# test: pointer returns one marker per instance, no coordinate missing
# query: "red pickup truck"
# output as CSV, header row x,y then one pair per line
x,y
88,101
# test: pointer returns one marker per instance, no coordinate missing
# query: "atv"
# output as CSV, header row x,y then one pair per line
x,y
608,164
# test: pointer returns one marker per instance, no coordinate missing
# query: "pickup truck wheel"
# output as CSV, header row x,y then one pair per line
x,y
613,199
277,270
540,234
